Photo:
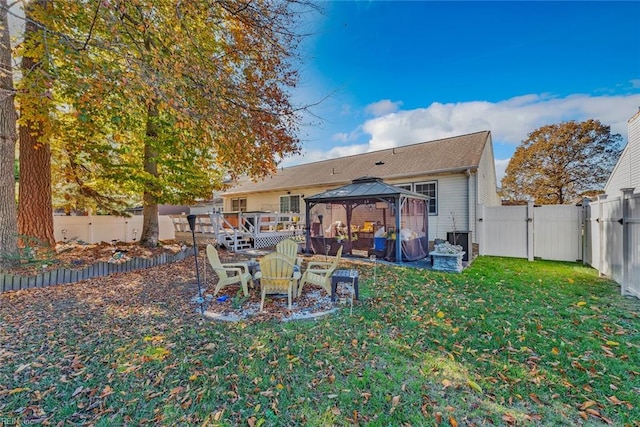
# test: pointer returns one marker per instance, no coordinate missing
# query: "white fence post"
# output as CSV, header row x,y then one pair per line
x,y
530,231
626,239
601,239
480,233
586,232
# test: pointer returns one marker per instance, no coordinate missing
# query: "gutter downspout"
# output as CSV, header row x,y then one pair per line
x,y
469,204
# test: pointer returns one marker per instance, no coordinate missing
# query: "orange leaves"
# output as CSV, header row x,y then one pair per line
x,y
553,158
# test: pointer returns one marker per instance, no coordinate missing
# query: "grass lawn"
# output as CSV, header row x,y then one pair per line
x,y
506,342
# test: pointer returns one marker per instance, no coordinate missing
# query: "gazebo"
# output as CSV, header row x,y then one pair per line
x,y
369,216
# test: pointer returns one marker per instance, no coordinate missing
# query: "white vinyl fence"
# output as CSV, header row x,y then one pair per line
x,y
604,234
612,236
105,228
547,232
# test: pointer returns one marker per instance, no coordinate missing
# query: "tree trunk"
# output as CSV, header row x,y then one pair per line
x,y
35,214
150,227
8,213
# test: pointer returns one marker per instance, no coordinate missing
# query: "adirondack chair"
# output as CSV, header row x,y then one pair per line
x,y
290,248
228,273
319,273
277,276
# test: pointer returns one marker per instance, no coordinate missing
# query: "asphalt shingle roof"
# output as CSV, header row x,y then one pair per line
x,y
432,157
363,188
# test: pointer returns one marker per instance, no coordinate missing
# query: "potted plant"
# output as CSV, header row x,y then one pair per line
x,y
447,257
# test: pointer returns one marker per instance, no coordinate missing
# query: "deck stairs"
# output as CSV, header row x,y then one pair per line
x,y
235,244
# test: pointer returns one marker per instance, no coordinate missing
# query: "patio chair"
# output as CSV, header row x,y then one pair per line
x,y
319,273
228,273
277,276
289,248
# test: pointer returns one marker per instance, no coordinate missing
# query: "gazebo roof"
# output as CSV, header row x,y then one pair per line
x,y
364,188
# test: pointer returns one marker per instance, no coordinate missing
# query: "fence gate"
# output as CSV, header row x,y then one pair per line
x,y
557,232
503,231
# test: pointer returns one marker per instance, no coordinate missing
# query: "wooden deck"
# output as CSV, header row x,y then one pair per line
x,y
241,231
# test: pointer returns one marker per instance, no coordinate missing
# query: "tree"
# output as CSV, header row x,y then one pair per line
x,y
559,163
164,98
8,136
35,212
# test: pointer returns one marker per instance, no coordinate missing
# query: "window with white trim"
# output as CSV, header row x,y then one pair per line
x,y
429,189
290,203
239,205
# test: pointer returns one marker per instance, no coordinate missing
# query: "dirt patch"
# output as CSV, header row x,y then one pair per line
x,y
79,255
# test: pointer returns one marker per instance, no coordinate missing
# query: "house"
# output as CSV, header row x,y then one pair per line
x,y
457,174
626,173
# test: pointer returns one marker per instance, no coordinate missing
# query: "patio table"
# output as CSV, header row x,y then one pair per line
x,y
344,276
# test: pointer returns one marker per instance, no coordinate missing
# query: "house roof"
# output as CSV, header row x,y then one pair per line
x,y
443,155
363,188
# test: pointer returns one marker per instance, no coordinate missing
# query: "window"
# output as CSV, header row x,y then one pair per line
x,y
429,189
238,205
290,204
405,186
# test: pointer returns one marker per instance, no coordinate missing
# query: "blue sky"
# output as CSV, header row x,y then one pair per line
x,y
396,73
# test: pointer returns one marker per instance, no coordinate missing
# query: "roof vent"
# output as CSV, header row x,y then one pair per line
x,y
379,162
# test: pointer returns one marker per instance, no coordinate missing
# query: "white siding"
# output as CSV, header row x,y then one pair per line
x,y
620,177
634,152
452,205
456,200
626,173
487,182
270,201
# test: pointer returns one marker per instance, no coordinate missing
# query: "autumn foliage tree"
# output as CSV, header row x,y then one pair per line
x,y
559,163
162,99
35,212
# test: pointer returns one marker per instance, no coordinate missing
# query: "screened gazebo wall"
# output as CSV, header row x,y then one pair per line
x,y
368,217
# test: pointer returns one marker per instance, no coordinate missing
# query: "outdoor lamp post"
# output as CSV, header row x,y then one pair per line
x,y
192,225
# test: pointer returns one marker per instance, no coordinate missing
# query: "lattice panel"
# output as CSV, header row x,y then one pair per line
x,y
268,241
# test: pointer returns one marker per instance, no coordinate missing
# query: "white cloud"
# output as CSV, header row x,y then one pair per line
x,y
635,83
347,137
383,107
510,121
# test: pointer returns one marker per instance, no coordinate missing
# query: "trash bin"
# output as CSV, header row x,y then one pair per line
x,y
379,243
462,238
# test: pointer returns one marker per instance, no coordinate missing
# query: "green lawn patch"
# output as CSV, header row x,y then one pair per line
x,y
505,342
